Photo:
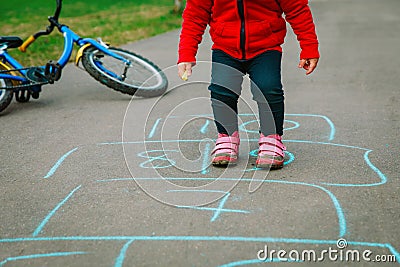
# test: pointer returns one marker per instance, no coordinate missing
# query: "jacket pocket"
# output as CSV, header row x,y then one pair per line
x,y
259,30
229,30
261,36
226,35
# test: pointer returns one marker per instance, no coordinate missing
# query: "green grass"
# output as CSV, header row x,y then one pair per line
x,y
116,21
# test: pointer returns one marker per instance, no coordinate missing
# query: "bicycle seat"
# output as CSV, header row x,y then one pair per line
x,y
11,41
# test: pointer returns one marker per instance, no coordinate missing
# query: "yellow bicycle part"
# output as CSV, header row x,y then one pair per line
x,y
6,67
27,43
79,54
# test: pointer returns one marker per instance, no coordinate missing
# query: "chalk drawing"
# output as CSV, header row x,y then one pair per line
x,y
51,213
157,159
58,163
217,211
121,257
44,255
153,130
163,160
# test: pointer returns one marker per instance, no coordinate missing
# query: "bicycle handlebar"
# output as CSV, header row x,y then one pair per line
x,y
27,43
53,22
58,9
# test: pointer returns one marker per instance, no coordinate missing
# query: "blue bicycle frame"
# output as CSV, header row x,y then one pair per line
x,y
69,39
15,64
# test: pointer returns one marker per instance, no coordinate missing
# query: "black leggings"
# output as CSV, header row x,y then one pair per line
x,y
226,84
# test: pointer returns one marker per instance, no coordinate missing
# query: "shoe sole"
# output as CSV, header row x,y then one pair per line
x,y
270,166
223,163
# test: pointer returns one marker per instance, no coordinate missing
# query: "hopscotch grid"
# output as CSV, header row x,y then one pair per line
x,y
63,158
217,211
339,210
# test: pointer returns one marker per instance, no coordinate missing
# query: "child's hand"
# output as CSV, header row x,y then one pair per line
x,y
308,64
185,70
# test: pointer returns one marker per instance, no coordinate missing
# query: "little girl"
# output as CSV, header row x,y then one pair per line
x,y
247,36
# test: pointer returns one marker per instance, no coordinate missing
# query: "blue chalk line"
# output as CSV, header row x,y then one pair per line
x,y
339,211
153,130
37,256
218,210
121,257
375,169
58,163
204,129
203,238
51,214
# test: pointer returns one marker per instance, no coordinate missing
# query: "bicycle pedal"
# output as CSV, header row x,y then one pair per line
x,y
52,71
22,96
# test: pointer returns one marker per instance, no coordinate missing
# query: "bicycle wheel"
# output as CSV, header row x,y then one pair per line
x,y
5,95
143,78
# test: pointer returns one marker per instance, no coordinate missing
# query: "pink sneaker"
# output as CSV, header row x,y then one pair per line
x,y
226,150
271,152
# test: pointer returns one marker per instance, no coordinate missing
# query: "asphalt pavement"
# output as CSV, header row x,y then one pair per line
x,y
92,177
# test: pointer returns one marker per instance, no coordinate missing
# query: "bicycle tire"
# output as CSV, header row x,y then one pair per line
x,y
152,82
6,96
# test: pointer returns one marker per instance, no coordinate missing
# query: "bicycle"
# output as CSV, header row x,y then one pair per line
x,y
119,69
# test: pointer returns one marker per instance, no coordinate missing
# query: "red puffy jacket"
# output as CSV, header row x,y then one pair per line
x,y
246,28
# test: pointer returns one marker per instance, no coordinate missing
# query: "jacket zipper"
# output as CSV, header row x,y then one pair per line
x,y
242,28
